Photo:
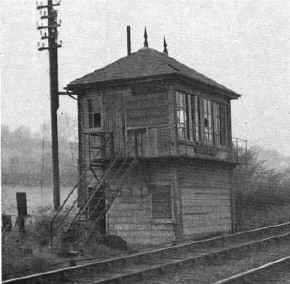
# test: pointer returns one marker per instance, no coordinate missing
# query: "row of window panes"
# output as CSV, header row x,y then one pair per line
x,y
208,119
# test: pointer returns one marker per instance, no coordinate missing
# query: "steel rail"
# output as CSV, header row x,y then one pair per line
x,y
247,275
63,273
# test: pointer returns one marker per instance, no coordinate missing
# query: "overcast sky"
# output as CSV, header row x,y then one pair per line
x,y
244,45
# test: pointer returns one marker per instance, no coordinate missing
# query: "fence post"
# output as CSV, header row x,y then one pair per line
x,y
22,210
51,234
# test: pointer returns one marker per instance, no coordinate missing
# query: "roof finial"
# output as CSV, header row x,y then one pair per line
x,y
165,50
145,38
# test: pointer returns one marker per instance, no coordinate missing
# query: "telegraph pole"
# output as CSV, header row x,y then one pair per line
x,y
49,33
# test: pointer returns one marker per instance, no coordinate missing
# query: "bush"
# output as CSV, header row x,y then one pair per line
x,y
41,226
261,194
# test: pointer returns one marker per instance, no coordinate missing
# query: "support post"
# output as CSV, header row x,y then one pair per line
x,y
51,16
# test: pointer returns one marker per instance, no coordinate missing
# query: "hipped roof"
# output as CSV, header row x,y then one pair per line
x,y
144,63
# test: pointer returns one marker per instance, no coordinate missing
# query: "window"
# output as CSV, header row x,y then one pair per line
x,y
207,122
195,117
161,201
182,115
201,120
94,117
217,123
223,130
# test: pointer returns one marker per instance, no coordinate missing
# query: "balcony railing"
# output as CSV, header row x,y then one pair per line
x,y
239,149
156,142
99,145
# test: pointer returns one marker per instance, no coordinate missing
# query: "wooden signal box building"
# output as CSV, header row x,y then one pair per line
x,y
156,136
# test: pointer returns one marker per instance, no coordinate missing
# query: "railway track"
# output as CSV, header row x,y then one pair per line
x,y
271,272
135,267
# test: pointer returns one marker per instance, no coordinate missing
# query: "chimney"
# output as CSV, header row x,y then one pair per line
x,y
128,40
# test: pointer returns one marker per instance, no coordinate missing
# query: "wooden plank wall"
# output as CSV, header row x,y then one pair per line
x,y
131,214
114,117
147,106
206,197
146,109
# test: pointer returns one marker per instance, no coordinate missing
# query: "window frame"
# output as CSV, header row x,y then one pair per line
x,y
156,187
182,111
205,121
91,115
195,118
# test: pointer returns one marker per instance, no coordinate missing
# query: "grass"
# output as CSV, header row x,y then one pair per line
x,y
29,252
261,205
22,255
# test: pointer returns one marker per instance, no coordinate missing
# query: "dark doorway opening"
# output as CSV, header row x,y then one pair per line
x,y
97,208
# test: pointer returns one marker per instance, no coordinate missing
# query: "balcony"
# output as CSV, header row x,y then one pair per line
x,y
158,142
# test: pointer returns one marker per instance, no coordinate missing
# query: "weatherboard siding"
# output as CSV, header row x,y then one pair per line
x,y
206,198
131,213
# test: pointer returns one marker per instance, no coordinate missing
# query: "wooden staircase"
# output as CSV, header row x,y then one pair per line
x,y
106,175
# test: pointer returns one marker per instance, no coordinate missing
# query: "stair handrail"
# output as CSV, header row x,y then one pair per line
x,y
69,195
107,208
73,190
98,184
97,187
124,161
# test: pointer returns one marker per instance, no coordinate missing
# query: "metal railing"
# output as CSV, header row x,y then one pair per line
x,y
100,145
239,149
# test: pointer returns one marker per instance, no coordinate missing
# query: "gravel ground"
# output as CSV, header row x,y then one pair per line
x,y
282,277
277,275
230,266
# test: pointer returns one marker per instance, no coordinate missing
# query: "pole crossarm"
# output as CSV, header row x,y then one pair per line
x,y
41,6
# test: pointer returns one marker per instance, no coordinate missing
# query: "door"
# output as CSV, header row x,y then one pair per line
x,y
115,121
137,142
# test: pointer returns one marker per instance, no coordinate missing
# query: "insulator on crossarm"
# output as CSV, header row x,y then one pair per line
x,y
57,3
